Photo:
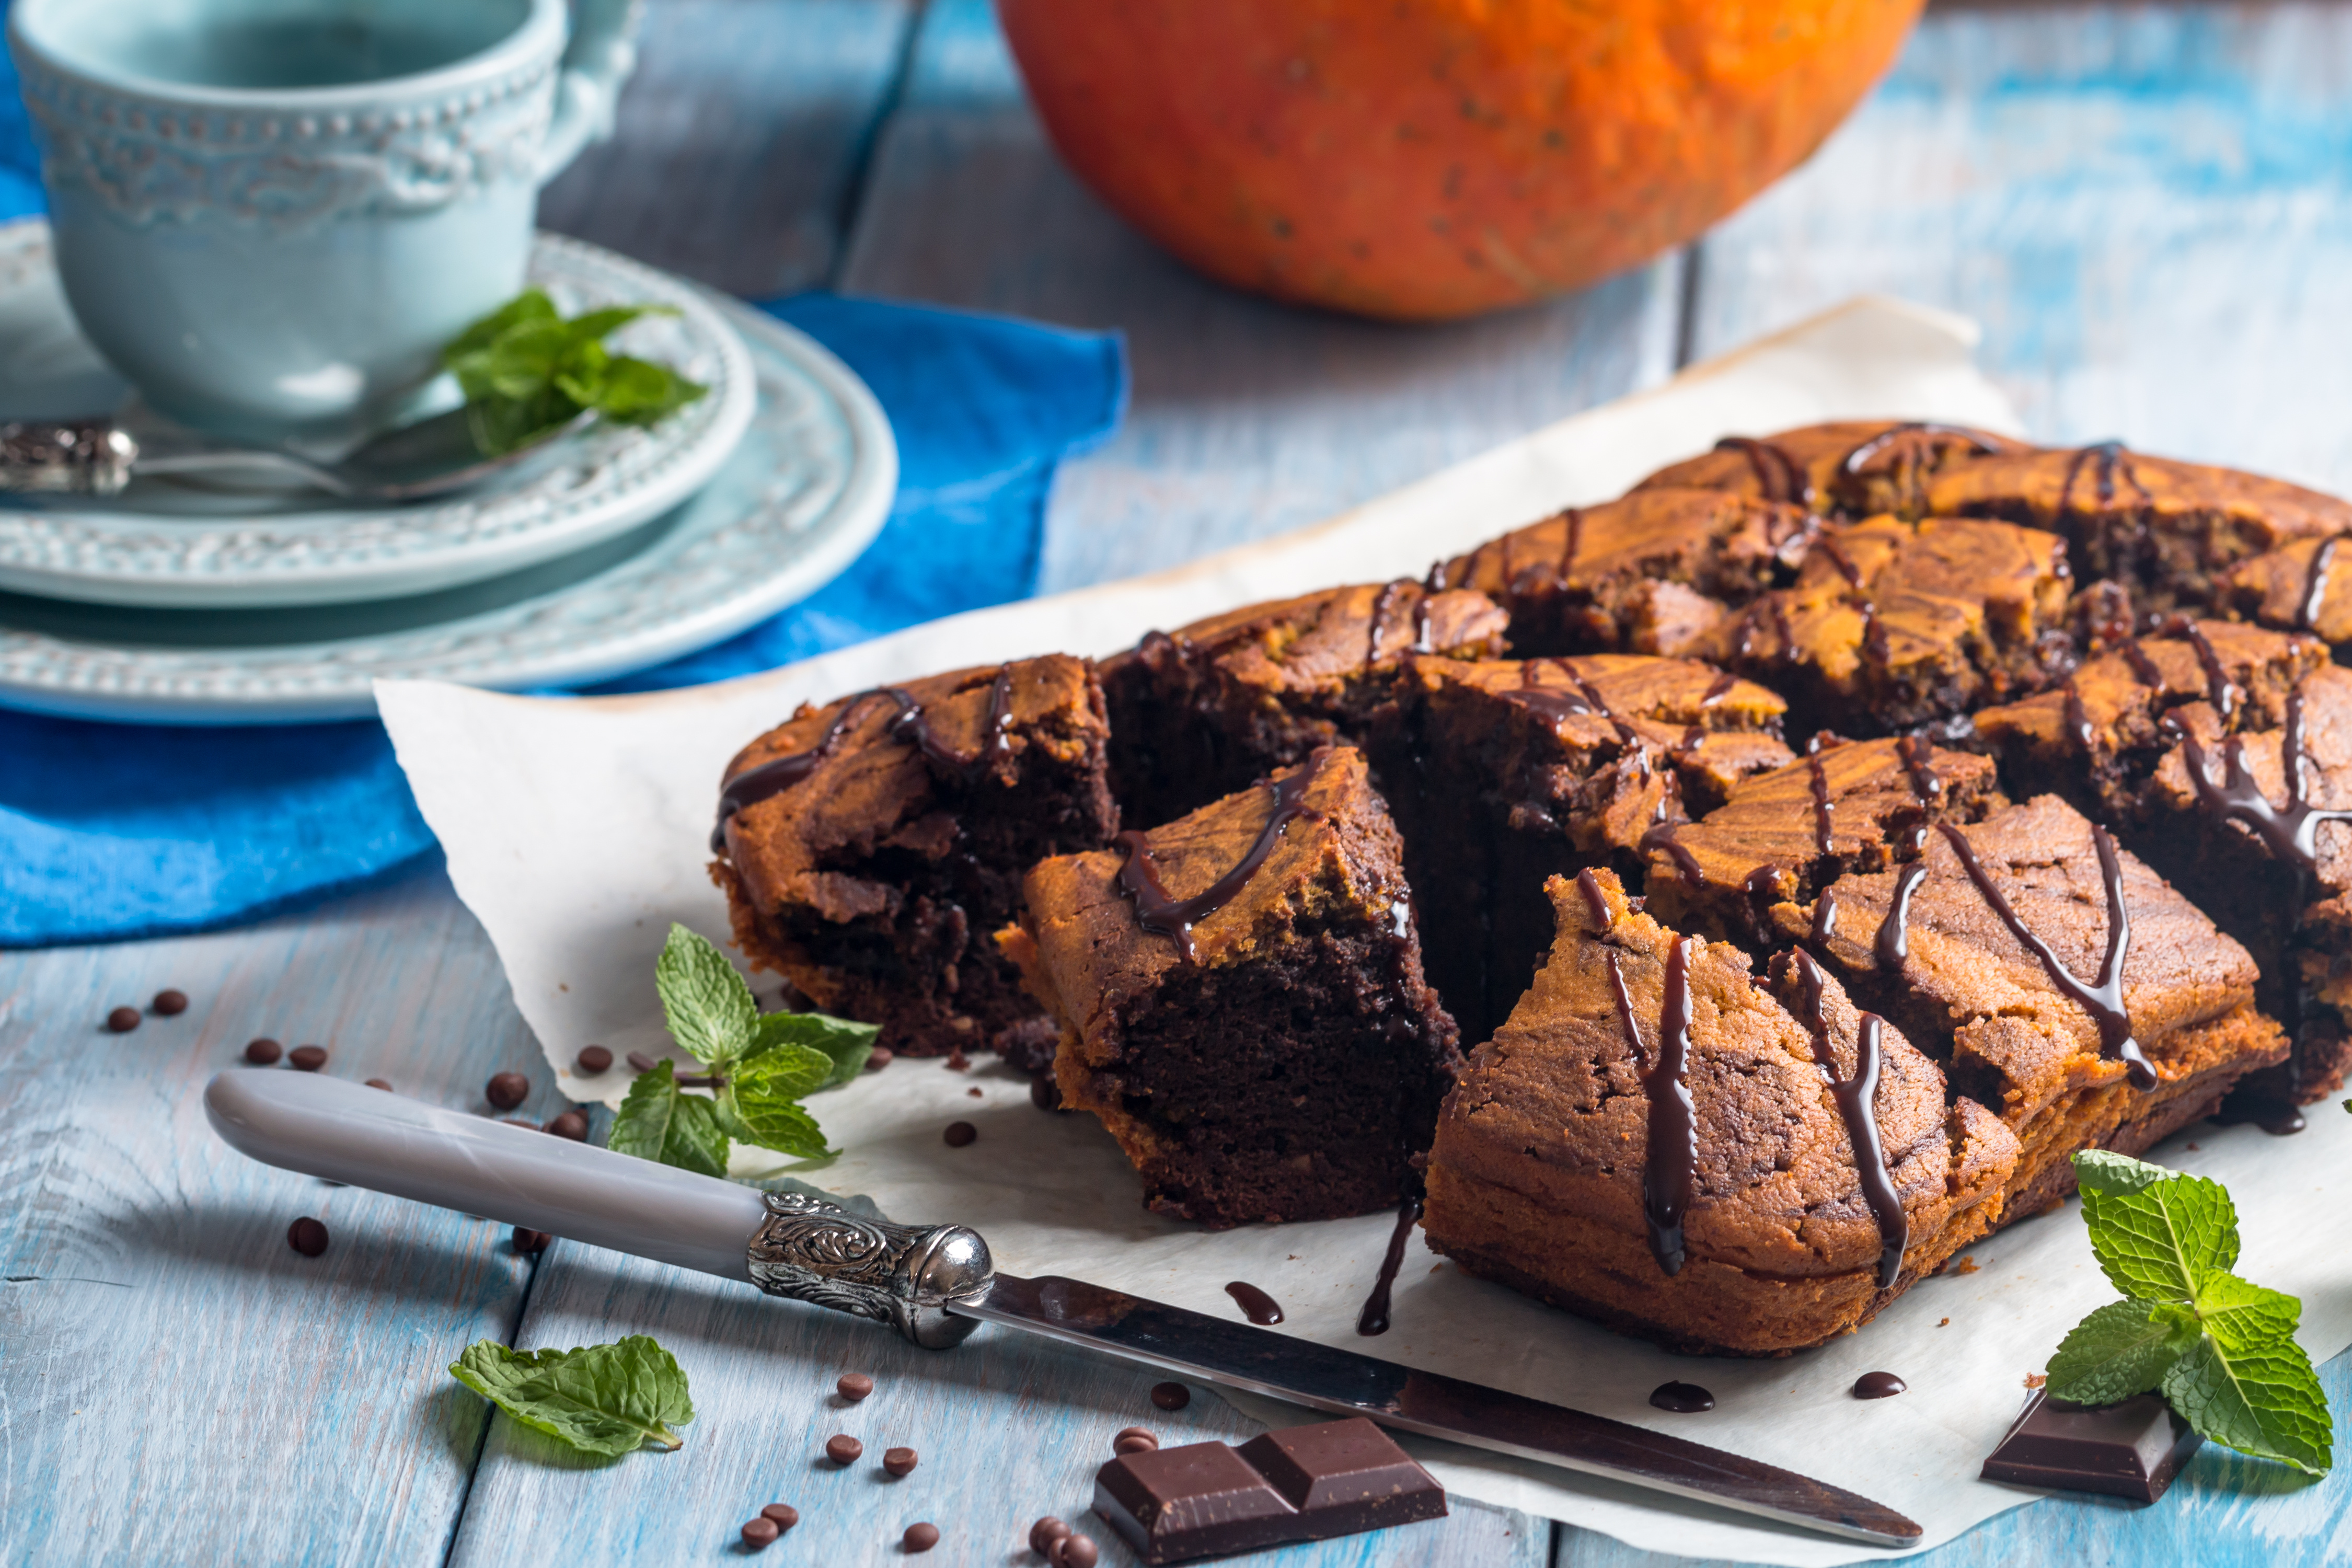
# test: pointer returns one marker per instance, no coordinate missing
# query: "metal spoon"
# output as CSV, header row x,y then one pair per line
x,y
409,462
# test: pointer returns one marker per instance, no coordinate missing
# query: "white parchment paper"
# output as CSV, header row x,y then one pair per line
x,y
576,830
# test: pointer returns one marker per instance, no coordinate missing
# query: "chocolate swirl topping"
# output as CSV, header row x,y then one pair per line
x,y
1163,914
1670,1157
1854,1097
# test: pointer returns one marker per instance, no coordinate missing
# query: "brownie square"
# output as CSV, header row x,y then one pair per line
x,y
869,847
1241,1000
1657,1140
1210,708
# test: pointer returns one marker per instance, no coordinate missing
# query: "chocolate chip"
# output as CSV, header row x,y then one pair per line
x,y
262,1053
122,1020
1171,1395
1136,1444
898,1461
760,1531
842,1449
308,1058
569,1124
1045,1093
958,1061
528,1240
878,1057
1044,1533
854,1386
378,1083
306,1236
171,1004
921,1537
1073,1552
507,1089
783,1514
592,1061
960,1133
642,1062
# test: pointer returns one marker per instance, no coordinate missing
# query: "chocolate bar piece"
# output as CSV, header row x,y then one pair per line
x,y
1304,1483
2132,1449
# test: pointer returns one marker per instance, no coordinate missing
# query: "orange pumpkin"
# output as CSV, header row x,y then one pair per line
x,y
1419,159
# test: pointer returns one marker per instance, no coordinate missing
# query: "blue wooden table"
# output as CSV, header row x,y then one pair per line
x,y
2145,206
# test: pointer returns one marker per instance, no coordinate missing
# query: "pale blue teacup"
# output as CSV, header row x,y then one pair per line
x,y
269,214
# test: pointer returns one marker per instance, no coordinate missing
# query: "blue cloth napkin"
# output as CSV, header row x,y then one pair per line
x,y
110,831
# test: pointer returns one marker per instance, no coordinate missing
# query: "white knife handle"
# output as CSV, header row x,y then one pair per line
x,y
801,1248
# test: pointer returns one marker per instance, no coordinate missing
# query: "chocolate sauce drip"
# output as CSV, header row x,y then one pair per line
x,y
1682,1398
1717,690
1842,561
1915,751
1825,914
1784,629
1572,544
1824,809
2276,1117
1556,704
1420,608
2219,690
2104,999
1662,838
1762,882
1853,461
2315,585
2291,833
1594,900
1893,943
1856,1102
1670,1158
1380,603
1257,1306
1157,910
1878,1386
1435,580
1374,1318
2110,459
1778,475
778,774
2078,718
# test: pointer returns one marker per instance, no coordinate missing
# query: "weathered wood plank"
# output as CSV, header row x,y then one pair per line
x,y
176,1383
1008,1428
741,140
1248,417
2148,207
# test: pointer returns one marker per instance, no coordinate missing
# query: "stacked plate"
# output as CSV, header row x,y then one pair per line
x,y
617,550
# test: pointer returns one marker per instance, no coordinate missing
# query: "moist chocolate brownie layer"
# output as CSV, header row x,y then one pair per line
x,y
1656,1141
1206,709
869,847
1241,1000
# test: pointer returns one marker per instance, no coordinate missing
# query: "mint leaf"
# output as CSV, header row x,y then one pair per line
x,y
763,1099
527,373
846,1044
602,1399
2155,1231
710,1009
531,305
661,1122
2246,1383
2124,1348
639,392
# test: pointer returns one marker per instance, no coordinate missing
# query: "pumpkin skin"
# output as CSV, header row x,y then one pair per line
x,y
1425,159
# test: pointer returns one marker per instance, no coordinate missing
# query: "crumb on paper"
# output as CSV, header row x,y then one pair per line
x,y
2191,1148
1943,1322
1436,1267
1965,1265
2036,1379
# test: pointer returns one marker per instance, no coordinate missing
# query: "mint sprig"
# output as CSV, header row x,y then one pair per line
x,y
759,1068
2222,1350
526,373
600,1399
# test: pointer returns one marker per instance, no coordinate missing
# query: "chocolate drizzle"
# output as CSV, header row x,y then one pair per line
x,y
2111,459
778,774
1824,808
1893,943
2078,718
1670,1157
1662,838
2315,585
1851,464
1380,603
1374,1318
2291,833
1717,690
1159,912
1594,900
1257,1306
2102,999
1779,476
1573,542
1855,1098
1915,751
1825,914
2219,690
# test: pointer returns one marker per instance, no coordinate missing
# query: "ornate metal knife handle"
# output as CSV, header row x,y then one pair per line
x,y
65,457
903,1275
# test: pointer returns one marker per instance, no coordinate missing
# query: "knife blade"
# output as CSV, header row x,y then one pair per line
x,y
936,1284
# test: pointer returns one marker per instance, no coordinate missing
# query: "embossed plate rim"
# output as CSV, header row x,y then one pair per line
x,y
610,481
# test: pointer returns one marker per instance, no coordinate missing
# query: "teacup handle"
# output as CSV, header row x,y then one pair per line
x,y
596,62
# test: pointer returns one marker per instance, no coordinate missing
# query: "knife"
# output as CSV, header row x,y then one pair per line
x,y
935,1285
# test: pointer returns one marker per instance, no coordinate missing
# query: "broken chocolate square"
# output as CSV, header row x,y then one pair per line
x,y
2131,1449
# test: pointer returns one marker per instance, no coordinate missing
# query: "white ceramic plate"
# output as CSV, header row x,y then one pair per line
x,y
804,491
165,544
